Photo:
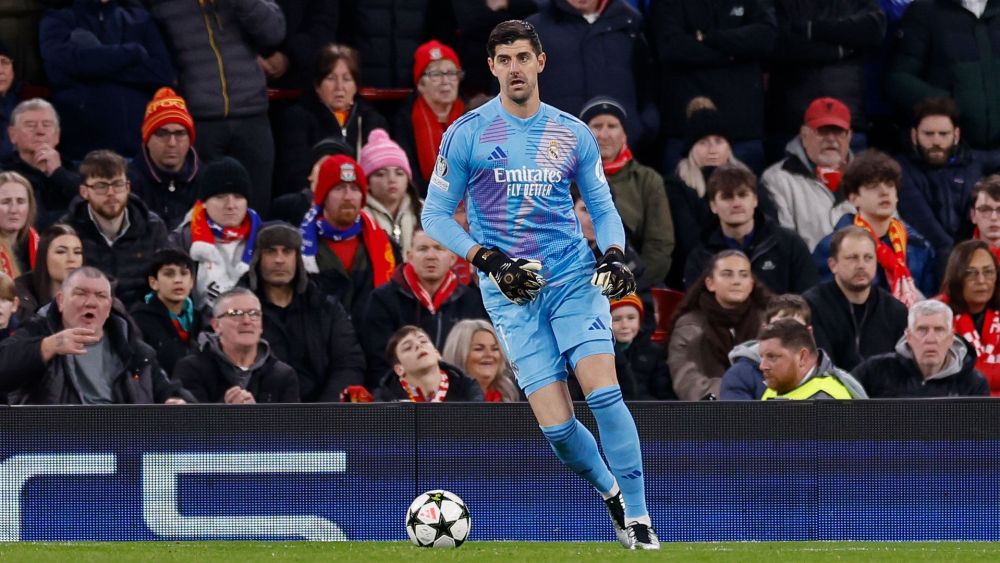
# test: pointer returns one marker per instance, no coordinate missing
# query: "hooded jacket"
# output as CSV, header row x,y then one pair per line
x,y
838,383
394,305
171,195
209,373
847,340
461,388
104,61
29,380
126,259
896,374
743,381
153,319
313,335
804,204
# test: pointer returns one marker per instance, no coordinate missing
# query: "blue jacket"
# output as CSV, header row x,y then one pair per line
x,y
8,102
919,258
104,62
744,380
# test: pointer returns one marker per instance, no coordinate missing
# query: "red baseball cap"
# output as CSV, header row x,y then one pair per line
x,y
827,111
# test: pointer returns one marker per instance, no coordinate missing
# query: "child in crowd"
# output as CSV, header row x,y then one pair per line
x,y
641,363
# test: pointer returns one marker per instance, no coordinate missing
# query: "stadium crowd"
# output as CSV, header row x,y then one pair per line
x,y
220,201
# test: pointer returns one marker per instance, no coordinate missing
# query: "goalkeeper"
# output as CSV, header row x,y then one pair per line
x,y
512,161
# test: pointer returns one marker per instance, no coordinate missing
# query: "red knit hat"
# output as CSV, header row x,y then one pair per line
x,y
429,52
165,108
337,169
631,300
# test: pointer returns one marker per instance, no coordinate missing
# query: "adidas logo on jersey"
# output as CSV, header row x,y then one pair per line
x,y
497,154
598,325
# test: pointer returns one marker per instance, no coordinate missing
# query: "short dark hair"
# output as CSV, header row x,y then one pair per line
x,y
327,58
393,342
169,257
935,105
869,167
953,285
850,231
990,185
506,33
729,178
791,304
102,164
792,334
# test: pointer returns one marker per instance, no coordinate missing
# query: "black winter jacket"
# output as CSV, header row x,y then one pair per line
x,y
394,305
778,257
158,331
31,381
388,32
846,341
52,193
461,388
896,375
209,373
310,24
171,195
127,258
724,65
642,370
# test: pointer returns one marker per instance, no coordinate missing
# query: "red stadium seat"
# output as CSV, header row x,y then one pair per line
x,y
665,301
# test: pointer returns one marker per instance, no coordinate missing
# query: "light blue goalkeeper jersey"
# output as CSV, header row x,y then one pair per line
x,y
515,176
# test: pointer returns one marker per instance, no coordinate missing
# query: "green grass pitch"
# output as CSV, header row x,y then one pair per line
x,y
505,552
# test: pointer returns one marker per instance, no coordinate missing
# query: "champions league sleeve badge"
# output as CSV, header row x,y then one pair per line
x,y
440,171
599,172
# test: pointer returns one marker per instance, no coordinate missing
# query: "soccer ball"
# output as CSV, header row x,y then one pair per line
x,y
438,519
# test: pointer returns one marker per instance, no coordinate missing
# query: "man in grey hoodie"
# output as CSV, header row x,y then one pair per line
x,y
929,360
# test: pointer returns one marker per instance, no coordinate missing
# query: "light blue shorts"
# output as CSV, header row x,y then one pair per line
x,y
568,321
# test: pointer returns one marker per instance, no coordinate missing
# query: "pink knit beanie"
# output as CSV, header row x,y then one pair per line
x,y
381,151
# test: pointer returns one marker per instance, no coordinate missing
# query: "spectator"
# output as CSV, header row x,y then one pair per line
x,y
60,252
420,125
167,317
103,58
638,190
235,365
713,49
118,231
722,311
939,172
940,53
388,33
291,208
345,251
8,306
853,319
307,330
640,363
805,185
332,110
906,265
164,175
10,94
418,375
473,344
475,20
598,48
778,257
929,361
394,203
744,380
83,351
970,288
423,292
34,132
820,52
17,215
794,369
227,93
985,212
19,21
310,24
706,148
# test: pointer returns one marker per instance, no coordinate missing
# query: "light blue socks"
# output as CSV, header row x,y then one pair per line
x,y
620,441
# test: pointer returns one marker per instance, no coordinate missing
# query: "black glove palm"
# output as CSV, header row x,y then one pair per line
x,y
613,276
518,280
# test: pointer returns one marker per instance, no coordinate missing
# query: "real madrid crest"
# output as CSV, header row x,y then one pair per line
x,y
441,167
553,149
347,173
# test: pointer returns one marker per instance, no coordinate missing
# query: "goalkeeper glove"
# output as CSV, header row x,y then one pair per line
x,y
518,280
613,276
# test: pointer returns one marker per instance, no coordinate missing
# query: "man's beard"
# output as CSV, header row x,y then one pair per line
x,y
937,158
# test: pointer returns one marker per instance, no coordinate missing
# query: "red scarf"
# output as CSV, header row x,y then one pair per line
x,y
379,250
183,334
8,264
432,304
427,131
892,259
616,165
987,345
830,177
493,396
416,395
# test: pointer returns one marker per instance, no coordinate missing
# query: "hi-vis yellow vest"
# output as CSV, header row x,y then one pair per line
x,y
824,384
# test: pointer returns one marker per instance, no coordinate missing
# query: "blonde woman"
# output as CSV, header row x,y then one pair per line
x,y
18,239
473,346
